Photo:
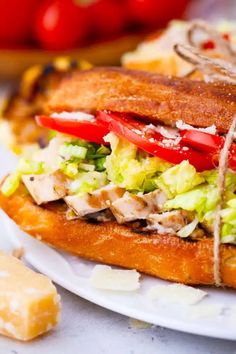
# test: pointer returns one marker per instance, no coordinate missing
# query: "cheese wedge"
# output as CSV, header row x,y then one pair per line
x,y
29,303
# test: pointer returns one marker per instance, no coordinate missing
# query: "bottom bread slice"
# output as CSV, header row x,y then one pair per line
x,y
164,256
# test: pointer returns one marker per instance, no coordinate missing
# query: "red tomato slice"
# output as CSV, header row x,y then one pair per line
x,y
202,140
90,131
153,142
209,143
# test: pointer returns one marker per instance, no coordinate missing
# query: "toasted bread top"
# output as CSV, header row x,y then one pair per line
x,y
152,97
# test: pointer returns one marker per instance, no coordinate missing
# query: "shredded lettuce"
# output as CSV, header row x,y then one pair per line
x,y
11,184
211,177
87,182
179,179
69,151
202,200
100,164
26,166
129,169
86,167
228,233
70,169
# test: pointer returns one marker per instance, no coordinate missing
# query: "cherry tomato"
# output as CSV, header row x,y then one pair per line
x,y
209,143
90,131
150,12
208,44
106,17
226,36
16,20
153,142
60,24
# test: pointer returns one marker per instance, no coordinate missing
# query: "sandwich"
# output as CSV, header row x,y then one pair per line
x,y
141,167
157,53
17,125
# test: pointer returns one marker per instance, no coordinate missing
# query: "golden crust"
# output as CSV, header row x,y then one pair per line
x,y
164,256
152,96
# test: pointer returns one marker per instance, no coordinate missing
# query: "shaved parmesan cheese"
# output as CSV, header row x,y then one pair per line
x,y
168,133
182,126
176,293
104,277
76,116
137,324
206,311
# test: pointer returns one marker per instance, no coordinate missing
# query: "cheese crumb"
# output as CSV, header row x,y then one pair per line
x,y
28,307
76,116
137,324
182,126
104,277
18,252
176,293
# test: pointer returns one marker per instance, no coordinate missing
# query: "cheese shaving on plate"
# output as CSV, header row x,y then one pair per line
x,y
106,278
205,311
176,293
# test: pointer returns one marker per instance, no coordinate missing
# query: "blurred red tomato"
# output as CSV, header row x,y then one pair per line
x,y
60,24
155,11
106,17
16,20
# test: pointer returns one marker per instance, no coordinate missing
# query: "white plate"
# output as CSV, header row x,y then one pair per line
x,y
73,273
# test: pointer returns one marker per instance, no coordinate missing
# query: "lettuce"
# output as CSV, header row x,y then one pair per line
x,y
70,169
26,166
130,169
11,184
70,151
87,182
179,179
211,177
228,234
228,214
202,200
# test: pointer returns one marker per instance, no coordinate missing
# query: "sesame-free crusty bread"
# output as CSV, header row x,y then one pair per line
x,y
151,96
164,256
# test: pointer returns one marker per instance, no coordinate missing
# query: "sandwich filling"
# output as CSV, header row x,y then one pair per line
x,y
111,166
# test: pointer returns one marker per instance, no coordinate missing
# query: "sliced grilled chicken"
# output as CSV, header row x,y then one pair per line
x,y
46,188
93,202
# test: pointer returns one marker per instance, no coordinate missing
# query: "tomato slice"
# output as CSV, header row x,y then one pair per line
x,y
153,142
202,140
91,131
209,143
